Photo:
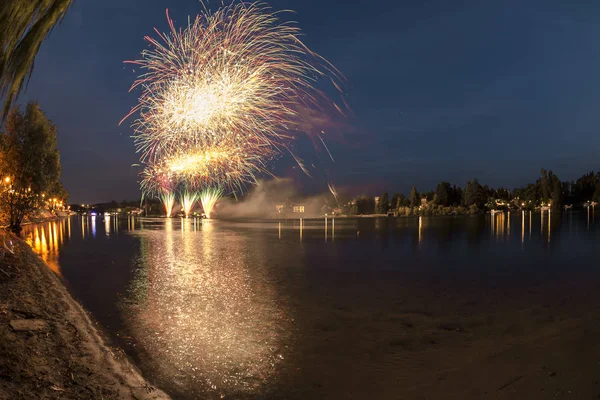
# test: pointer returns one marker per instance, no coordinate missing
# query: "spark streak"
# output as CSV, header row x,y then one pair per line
x,y
209,198
168,200
188,199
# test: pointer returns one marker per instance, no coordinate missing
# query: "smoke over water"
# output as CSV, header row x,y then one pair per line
x,y
264,199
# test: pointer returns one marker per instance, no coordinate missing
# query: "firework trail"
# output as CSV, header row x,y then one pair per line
x,y
209,197
168,200
333,192
187,200
223,96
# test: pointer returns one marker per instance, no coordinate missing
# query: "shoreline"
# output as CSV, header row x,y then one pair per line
x,y
49,345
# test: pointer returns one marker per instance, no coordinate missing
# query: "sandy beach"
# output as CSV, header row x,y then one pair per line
x,y
49,346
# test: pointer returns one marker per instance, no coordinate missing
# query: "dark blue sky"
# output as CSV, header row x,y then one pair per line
x,y
441,90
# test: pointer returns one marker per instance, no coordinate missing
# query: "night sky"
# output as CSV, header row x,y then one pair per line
x,y
441,90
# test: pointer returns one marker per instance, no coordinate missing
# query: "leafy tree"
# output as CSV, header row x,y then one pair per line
x,y
395,202
596,195
401,201
443,194
365,205
455,196
30,162
428,195
383,205
501,194
23,27
404,201
557,195
474,194
531,194
584,187
545,186
415,200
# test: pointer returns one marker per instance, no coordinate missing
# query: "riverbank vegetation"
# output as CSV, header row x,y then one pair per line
x,y
29,166
548,191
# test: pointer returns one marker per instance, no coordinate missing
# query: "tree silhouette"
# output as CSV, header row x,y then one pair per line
x,y
414,197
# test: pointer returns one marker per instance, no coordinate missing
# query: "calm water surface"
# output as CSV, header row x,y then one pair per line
x,y
351,308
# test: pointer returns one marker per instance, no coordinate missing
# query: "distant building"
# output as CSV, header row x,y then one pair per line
x,y
424,201
291,210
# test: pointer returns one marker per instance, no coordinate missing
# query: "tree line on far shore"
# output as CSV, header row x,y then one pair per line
x,y
448,199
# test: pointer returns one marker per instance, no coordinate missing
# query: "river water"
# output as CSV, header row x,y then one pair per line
x,y
352,308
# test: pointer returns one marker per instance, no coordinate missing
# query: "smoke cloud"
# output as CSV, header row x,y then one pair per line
x,y
262,202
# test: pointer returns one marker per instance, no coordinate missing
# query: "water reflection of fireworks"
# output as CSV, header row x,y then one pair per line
x,y
203,310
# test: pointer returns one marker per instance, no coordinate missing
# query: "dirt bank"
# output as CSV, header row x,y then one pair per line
x,y
49,347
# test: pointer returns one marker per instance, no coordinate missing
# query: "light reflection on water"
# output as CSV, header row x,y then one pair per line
x,y
203,310
292,309
47,239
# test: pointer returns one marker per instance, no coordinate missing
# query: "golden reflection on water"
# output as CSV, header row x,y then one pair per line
x,y
333,230
498,225
549,224
47,239
542,223
203,309
130,223
522,227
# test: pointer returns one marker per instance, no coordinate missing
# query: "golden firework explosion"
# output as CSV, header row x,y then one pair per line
x,y
223,96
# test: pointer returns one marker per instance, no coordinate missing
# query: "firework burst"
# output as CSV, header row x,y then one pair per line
x,y
223,96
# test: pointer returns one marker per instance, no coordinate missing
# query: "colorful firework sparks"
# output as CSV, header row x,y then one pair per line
x,y
209,197
187,200
168,200
223,96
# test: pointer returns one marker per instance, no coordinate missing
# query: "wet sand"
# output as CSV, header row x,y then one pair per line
x,y
66,358
450,340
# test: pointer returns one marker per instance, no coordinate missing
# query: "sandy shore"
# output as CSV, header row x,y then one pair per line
x,y
49,347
